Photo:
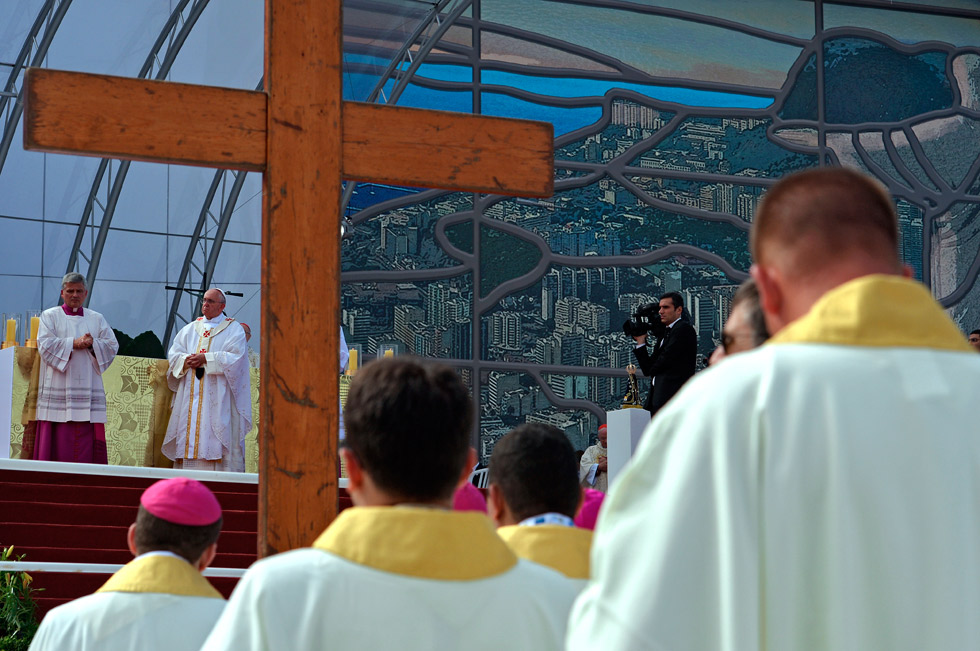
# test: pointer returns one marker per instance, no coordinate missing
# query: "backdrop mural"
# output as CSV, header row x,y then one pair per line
x,y
671,119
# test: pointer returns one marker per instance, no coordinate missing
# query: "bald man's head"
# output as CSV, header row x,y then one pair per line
x,y
816,219
816,230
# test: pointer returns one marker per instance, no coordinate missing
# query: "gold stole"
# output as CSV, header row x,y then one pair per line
x,y
162,575
206,335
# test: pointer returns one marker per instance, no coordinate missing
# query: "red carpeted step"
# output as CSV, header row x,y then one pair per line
x,y
67,585
116,481
105,495
102,515
26,535
120,556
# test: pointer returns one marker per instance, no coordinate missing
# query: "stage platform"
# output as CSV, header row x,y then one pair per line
x,y
71,520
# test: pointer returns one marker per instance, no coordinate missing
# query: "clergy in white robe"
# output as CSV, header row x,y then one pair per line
x,y
212,404
534,495
76,346
593,467
155,602
819,492
400,569
159,600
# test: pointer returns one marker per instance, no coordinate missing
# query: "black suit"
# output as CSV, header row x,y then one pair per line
x,y
671,364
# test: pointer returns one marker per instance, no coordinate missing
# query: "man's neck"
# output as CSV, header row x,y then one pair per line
x,y
807,291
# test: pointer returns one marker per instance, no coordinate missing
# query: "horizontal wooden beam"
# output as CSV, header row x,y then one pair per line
x,y
457,151
138,119
168,122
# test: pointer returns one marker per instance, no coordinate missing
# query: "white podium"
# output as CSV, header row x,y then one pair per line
x,y
6,398
624,427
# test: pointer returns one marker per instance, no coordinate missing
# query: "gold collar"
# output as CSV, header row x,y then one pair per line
x,y
424,543
876,310
565,549
162,575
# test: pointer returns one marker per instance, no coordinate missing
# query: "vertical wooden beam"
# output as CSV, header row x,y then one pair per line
x,y
300,273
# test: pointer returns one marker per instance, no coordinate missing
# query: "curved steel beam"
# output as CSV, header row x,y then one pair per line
x,y
188,258
174,46
219,237
56,15
405,54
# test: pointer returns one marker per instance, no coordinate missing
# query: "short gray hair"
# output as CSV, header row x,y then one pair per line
x,y
748,293
73,277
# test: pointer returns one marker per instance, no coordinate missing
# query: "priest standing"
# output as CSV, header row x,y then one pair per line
x,y
212,406
76,346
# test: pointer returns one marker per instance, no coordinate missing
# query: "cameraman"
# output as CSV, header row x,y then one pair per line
x,y
674,356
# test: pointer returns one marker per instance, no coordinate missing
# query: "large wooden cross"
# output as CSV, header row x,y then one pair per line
x,y
304,138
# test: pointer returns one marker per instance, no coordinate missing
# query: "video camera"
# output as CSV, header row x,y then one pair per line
x,y
645,320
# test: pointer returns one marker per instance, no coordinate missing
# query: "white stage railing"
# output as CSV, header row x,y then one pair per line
x,y
98,568
133,471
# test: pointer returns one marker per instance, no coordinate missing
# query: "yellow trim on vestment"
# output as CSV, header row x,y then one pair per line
x,y
565,549
876,310
160,575
425,543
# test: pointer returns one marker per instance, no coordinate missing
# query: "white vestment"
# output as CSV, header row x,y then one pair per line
x,y
70,386
589,474
210,415
140,615
344,357
398,578
818,493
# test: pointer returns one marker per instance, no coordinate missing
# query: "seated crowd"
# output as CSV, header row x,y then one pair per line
x,y
817,492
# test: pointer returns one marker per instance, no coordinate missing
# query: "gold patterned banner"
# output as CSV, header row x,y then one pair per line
x,y
138,403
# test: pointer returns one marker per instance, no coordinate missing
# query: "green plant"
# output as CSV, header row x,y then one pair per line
x,y
18,622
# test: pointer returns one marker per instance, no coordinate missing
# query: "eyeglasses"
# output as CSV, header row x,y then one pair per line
x,y
211,301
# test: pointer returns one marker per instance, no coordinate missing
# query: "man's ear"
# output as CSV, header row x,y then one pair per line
x,y
355,474
207,557
131,540
771,298
496,507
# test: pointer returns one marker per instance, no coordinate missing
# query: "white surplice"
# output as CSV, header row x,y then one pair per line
x,y
70,386
210,415
144,613
589,474
398,578
819,493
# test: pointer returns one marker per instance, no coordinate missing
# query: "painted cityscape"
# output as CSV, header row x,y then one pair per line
x,y
660,165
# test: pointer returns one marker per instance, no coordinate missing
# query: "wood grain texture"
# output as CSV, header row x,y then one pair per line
x,y
166,122
139,119
300,274
454,151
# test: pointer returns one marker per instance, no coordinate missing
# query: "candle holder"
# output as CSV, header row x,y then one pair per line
x,y
386,350
12,322
32,322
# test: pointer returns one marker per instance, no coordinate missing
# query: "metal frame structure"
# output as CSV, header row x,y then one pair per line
x,y
49,19
197,247
172,37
